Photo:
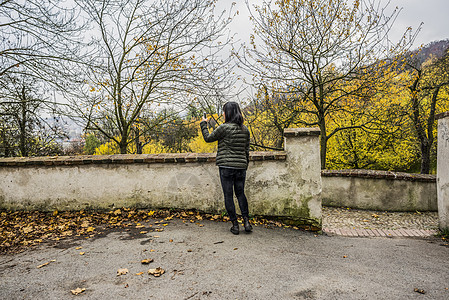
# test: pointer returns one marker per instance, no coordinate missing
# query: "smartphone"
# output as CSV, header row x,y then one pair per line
x,y
204,115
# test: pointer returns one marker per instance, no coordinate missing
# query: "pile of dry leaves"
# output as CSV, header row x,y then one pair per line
x,y
22,229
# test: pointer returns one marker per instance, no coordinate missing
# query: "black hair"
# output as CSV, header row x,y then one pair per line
x,y
233,113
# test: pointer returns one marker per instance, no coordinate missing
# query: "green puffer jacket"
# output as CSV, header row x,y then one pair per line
x,y
233,144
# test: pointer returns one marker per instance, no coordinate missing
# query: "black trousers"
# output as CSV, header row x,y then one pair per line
x,y
233,180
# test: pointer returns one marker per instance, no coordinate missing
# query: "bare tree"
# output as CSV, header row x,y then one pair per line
x,y
40,41
36,36
319,53
149,54
28,123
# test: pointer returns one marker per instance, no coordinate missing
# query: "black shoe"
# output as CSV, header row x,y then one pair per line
x,y
247,225
235,227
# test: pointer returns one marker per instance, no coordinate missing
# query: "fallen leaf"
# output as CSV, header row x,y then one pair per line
x,y
156,272
90,229
27,229
67,233
140,273
78,291
78,248
421,291
82,253
171,241
43,265
235,248
147,261
152,250
156,236
190,250
143,232
344,256
122,272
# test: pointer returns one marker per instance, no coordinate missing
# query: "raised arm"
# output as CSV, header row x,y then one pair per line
x,y
214,136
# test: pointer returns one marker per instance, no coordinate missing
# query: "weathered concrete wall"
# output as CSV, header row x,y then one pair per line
x,y
284,184
443,170
379,190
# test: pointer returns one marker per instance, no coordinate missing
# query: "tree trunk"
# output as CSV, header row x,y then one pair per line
x,y
419,127
280,141
123,147
323,144
137,141
139,147
22,124
323,150
426,144
5,143
323,140
425,156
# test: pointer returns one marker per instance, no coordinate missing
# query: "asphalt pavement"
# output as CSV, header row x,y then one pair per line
x,y
203,260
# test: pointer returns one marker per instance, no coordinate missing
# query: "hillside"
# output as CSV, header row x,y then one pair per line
x,y
433,49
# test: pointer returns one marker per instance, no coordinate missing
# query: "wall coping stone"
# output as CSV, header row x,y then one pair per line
x,y
442,115
376,174
130,159
292,132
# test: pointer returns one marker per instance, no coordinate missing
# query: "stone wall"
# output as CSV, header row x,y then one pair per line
x,y
443,170
281,184
379,190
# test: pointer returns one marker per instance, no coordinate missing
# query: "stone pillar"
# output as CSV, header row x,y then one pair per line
x,y
443,170
303,156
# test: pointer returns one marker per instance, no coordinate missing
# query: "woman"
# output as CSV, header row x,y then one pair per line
x,y
232,160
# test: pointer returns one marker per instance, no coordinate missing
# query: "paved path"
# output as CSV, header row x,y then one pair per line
x,y
204,261
355,223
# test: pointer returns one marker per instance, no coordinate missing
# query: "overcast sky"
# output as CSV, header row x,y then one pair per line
x,y
433,13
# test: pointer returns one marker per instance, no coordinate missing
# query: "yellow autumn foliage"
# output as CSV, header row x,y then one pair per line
x,y
198,145
109,148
